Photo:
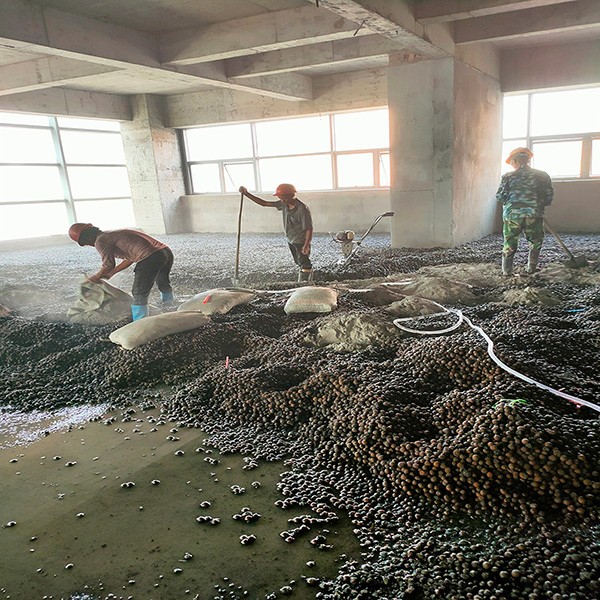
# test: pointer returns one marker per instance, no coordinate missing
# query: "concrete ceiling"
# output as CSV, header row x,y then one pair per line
x,y
268,47
160,16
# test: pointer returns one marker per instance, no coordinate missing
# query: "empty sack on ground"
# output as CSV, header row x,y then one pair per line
x,y
99,304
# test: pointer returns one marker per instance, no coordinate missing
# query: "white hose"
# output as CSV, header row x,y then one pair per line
x,y
429,331
479,330
490,350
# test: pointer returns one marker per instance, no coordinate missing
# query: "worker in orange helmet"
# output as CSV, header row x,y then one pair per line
x,y
153,261
524,194
297,224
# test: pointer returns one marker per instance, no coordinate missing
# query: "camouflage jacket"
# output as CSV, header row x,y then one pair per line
x,y
525,192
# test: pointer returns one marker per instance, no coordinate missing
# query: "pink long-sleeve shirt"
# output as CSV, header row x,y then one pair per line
x,y
126,244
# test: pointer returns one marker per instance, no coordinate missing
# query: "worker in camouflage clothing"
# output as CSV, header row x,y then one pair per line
x,y
524,193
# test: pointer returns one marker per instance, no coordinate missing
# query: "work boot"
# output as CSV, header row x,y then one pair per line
x,y
507,265
167,298
532,263
139,311
305,276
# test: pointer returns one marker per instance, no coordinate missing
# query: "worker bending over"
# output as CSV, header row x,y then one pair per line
x,y
153,261
524,193
297,224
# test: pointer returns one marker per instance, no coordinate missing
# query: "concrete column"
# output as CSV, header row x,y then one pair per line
x,y
154,165
445,143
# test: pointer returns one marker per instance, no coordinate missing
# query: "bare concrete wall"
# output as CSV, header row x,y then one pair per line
x,y
445,132
576,206
482,57
331,211
421,132
542,67
477,146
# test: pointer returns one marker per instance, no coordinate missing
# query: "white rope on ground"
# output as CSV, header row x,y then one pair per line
x,y
490,351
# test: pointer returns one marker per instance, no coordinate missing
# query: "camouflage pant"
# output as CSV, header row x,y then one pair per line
x,y
531,225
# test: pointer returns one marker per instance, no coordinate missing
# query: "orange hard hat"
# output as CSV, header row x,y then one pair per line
x,y
77,229
516,151
284,189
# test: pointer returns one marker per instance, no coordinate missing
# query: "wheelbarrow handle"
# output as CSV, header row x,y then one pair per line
x,y
387,214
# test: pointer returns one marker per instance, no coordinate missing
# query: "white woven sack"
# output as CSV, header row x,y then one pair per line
x,y
217,301
148,329
310,299
99,304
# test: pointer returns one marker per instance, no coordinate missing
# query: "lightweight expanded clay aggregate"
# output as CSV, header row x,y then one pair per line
x,y
455,479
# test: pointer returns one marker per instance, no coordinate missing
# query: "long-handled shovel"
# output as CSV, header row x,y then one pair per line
x,y
239,236
573,262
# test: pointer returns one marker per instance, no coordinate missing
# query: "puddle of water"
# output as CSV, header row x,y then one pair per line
x,y
131,541
22,428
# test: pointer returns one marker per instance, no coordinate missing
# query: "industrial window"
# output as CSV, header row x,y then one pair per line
x,y
562,128
305,172
595,170
325,152
55,171
355,170
226,141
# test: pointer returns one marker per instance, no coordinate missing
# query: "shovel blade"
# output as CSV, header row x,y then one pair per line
x,y
576,262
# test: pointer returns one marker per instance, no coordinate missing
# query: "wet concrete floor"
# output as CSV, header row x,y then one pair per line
x,y
77,530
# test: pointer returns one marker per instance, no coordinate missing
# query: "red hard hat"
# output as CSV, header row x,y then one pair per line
x,y
284,188
77,229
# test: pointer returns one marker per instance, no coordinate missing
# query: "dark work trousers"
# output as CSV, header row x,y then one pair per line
x,y
154,268
302,260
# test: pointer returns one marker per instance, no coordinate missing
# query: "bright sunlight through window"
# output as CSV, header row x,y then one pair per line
x,y
54,171
562,128
324,152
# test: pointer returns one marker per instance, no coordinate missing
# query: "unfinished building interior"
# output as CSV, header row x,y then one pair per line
x,y
410,421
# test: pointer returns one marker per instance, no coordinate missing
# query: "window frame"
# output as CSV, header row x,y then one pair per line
x,y
376,154
585,138
68,200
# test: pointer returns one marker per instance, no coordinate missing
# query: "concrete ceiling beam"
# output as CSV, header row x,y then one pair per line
x,y
285,86
45,73
293,87
263,33
438,11
74,103
392,19
55,33
524,23
30,27
326,53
